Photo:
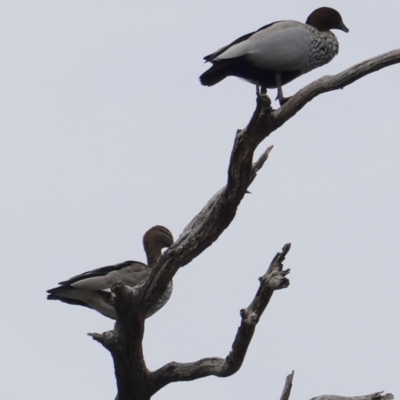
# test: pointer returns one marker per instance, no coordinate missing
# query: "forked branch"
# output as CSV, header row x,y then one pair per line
x,y
205,228
273,279
219,212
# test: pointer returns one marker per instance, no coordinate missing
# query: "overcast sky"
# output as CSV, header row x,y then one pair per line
x,y
106,131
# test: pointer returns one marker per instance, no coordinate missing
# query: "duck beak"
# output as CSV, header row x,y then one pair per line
x,y
343,27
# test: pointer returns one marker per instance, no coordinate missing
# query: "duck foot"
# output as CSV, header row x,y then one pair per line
x,y
279,96
261,93
283,100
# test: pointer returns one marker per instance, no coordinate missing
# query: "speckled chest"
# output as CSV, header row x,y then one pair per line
x,y
324,46
161,301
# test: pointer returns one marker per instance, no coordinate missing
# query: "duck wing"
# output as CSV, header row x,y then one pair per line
x,y
283,46
243,38
90,289
129,273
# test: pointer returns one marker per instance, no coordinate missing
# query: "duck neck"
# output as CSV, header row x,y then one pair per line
x,y
153,251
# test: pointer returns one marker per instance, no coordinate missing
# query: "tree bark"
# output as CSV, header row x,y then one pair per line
x,y
134,380
274,279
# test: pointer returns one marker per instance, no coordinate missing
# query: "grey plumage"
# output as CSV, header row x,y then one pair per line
x,y
279,52
91,289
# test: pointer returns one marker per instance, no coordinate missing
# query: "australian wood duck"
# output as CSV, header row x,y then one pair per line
x,y
92,289
279,52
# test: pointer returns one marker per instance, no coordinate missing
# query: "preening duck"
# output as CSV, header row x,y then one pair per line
x,y
91,289
279,52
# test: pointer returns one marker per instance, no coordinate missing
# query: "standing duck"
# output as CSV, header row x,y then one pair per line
x,y
278,53
92,289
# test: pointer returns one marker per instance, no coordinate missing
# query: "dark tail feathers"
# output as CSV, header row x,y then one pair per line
x,y
213,75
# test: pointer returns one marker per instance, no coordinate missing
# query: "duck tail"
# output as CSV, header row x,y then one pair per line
x,y
213,75
68,295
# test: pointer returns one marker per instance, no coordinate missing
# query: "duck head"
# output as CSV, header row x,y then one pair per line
x,y
326,18
154,240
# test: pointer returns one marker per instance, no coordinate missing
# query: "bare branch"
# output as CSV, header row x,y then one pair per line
x,y
288,387
334,82
125,343
262,159
107,339
219,212
373,396
274,279
260,163
134,380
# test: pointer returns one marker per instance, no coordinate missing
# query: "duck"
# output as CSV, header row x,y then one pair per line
x,y
278,53
92,289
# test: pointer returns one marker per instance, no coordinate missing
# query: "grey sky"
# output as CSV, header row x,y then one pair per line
x,y
106,131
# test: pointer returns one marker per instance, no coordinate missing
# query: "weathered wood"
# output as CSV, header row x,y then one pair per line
x,y
274,279
373,396
219,212
125,344
134,381
334,82
288,387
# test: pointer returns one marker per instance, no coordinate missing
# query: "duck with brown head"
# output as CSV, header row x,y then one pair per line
x,y
91,289
325,19
279,52
154,240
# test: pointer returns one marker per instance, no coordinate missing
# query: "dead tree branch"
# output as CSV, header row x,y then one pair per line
x,y
218,213
288,387
134,381
373,396
334,82
273,279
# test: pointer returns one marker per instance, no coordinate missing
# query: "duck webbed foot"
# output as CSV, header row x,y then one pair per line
x,y
261,93
280,96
